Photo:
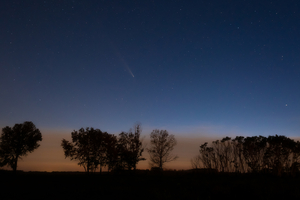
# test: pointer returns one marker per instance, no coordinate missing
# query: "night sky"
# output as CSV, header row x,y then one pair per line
x,y
199,69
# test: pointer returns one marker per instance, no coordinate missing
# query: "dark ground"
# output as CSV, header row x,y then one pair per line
x,y
147,185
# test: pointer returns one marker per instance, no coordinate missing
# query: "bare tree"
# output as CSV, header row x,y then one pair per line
x,y
196,162
239,160
162,145
220,156
207,157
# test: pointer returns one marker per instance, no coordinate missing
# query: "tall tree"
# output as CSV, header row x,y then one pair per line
x,y
253,151
111,152
207,157
224,154
130,148
239,160
162,145
86,147
100,148
17,142
295,158
278,155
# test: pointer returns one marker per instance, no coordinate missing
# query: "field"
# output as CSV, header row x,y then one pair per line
x,y
147,185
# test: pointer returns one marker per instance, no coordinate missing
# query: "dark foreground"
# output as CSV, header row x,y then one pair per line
x,y
147,185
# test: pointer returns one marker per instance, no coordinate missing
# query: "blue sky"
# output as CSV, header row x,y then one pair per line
x,y
224,67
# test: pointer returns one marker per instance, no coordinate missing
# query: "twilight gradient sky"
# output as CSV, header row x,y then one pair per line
x,y
199,69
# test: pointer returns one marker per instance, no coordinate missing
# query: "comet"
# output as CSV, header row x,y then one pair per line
x,y
121,59
129,71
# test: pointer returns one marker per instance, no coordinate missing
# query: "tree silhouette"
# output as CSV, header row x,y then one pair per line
x,y
239,160
223,155
208,157
87,147
277,157
130,148
196,162
17,142
253,151
277,154
295,159
111,152
162,145
100,148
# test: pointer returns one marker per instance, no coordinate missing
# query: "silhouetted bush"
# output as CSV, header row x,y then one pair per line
x,y
274,154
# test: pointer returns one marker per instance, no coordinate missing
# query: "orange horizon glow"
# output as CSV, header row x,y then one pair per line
x,y
49,156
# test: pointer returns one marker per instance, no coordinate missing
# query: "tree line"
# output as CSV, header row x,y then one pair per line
x,y
275,154
91,148
94,149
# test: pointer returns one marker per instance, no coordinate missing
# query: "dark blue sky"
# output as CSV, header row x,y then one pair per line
x,y
232,66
